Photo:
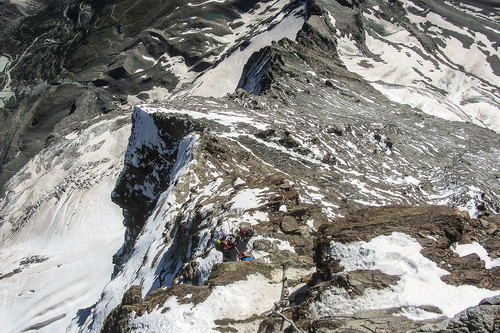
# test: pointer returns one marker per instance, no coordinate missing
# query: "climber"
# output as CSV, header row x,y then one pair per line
x,y
245,234
242,256
225,242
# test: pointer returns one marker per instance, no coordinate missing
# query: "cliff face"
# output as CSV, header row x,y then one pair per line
x,y
318,271
371,210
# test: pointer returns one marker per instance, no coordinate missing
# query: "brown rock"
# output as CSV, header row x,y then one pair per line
x,y
482,278
356,282
289,225
298,211
446,224
228,272
133,296
472,261
275,179
493,247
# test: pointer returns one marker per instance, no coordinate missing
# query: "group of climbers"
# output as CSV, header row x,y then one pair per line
x,y
226,242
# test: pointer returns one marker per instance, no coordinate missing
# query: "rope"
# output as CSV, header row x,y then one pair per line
x,y
288,320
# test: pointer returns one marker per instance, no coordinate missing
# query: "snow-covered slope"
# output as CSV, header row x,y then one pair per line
x,y
60,229
440,57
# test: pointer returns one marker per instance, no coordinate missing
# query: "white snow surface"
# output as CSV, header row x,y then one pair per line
x,y
71,225
239,300
465,249
3,63
420,280
5,92
267,24
247,199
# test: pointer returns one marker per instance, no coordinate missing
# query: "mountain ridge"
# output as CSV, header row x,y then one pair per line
x,y
335,177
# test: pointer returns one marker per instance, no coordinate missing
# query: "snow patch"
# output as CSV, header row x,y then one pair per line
x,y
465,249
246,199
420,280
239,300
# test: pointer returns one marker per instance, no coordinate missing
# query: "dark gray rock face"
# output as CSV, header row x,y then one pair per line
x,y
9,15
92,58
483,318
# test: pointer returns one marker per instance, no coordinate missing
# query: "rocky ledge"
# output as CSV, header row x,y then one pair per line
x,y
307,302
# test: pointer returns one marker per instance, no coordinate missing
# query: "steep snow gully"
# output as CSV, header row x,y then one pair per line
x,y
357,139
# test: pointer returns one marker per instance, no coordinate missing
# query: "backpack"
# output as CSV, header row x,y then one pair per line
x,y
231,240
218,244
246,233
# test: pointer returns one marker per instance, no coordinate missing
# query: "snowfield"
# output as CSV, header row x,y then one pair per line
x,y
65,230
456,83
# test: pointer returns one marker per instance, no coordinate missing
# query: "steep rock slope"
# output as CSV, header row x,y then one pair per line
x,y
231,182
70,61
335,161
441,57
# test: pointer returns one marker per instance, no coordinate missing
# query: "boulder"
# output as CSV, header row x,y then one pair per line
x,y
356,282
289,225
483,318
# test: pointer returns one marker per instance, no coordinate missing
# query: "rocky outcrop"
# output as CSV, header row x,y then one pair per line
x,y
151,155
484,318
436,228
293,310
132,303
